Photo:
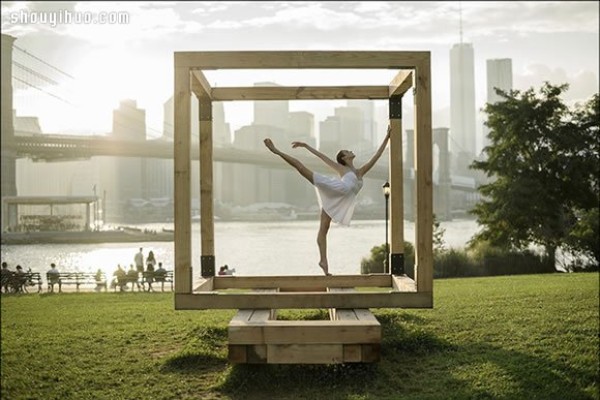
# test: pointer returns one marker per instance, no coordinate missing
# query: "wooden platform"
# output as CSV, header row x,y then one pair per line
x,y
255,337
236,292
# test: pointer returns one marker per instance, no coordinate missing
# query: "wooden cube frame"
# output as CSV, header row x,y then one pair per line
x,y
414,69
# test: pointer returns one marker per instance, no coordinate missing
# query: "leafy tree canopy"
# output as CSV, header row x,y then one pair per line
x,y
543,163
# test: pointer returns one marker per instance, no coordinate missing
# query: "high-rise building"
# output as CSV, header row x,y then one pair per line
x,y
272,112
129,123
499,75
255,184
169,118
462,106
343,130
369,125
301,128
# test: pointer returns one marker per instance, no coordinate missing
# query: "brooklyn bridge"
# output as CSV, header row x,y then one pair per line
x,y
53,147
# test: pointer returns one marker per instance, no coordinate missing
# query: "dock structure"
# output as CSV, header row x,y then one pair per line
x,y
352,334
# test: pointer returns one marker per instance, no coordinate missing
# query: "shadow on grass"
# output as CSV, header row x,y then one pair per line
x,y
279,381
282,381
204,351
416,364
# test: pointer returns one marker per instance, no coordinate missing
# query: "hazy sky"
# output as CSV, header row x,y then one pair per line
x,y
555,41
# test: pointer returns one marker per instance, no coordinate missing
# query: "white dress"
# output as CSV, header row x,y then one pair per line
x,y
337,196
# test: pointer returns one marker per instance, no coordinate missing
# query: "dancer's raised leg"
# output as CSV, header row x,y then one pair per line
x,y
304,171
322,241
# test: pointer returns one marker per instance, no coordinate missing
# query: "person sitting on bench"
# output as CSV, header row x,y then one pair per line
x,y
53,278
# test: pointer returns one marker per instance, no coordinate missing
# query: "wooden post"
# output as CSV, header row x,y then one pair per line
x,y
182,160
207,235
396,188
399,85
203,92
423,167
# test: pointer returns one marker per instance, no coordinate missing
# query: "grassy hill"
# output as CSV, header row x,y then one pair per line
x,y
510,337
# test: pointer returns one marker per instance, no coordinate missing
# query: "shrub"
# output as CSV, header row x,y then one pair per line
x,y
374,264
453,262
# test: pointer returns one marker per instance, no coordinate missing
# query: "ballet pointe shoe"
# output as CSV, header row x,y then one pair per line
x,y
325,268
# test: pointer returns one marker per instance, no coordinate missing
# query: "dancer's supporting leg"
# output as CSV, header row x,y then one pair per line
x,y
322,241
305,172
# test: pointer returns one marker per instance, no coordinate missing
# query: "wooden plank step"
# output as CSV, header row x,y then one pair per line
x,y
351,335
304,353
304,332
241,354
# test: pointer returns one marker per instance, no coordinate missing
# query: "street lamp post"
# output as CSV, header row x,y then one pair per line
x,y
386,193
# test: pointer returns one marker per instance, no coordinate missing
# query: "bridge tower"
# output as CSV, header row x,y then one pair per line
x,y
9,156
442,205
441,197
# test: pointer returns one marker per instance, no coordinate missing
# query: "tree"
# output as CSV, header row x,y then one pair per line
x,y
543,163
439,245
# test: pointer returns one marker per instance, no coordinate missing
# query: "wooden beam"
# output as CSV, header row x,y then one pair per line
x,y
424,167
401,83
302,281
305,353
300,93
205,285
182,196
200,85
403,284
215,300
304,332
207,60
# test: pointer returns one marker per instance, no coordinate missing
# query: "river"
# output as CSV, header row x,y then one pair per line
x,y
252,248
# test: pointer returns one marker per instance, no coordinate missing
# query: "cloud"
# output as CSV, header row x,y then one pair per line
x,y
528,32
581,85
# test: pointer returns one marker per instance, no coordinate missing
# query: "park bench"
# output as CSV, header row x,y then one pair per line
x,y
146,279
121,282
166,277
18,283
75,278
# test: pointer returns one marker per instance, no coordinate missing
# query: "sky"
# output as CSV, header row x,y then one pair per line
x,y
95,65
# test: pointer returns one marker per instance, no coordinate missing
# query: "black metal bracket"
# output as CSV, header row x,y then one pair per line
x,y
207,265
395,107
397,264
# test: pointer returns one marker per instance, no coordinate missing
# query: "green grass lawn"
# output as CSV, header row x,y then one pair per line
x,y
512,337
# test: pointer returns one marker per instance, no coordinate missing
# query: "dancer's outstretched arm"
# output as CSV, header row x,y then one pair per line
x,y
365,168
334,165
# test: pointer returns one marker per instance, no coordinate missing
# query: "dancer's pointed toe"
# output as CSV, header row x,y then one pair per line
x,y
325,268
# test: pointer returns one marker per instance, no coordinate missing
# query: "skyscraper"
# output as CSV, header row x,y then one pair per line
x,y
499,75
129,123
462,106
271,112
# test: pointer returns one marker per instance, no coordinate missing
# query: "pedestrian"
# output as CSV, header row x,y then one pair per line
x,y
149,274
139,261
6,275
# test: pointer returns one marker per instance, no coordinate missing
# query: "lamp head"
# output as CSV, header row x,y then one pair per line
x,y
386,189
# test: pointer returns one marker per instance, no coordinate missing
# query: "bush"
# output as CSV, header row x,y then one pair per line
x,y
498,261
374,264
481,259
452,263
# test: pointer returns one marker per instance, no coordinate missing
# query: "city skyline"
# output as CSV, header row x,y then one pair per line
x,y
546,41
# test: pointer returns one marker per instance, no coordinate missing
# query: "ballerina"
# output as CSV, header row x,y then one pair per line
x,y
336,194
